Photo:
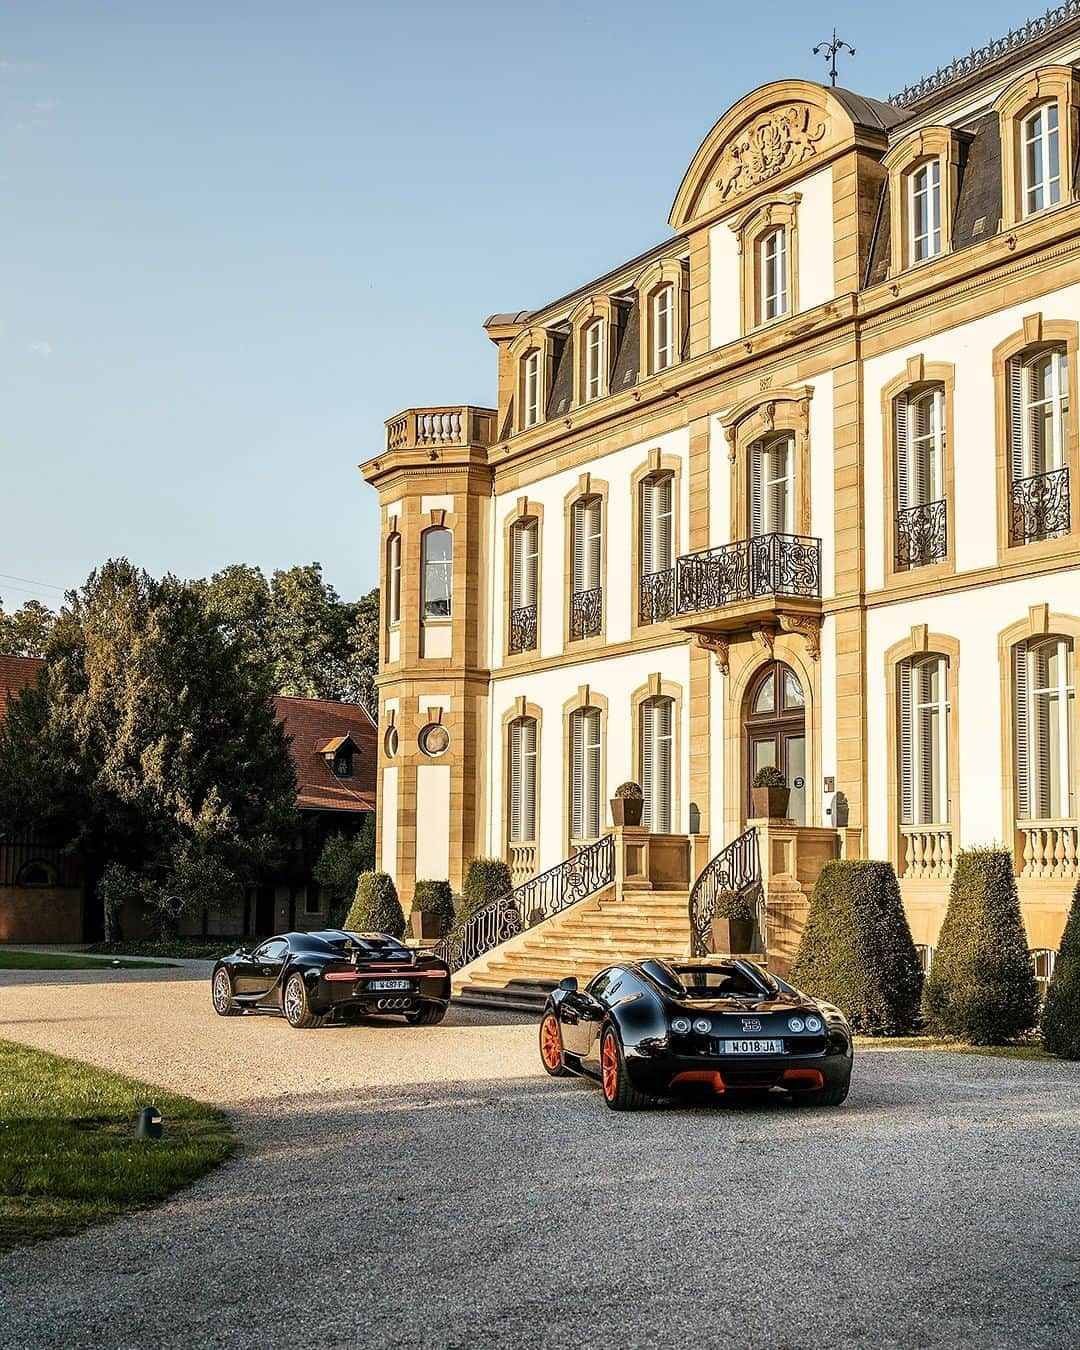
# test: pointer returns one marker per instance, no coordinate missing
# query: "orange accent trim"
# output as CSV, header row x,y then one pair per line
x,y
809,1078
550,1042
706,1077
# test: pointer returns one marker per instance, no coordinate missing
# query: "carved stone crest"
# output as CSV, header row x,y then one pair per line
x,y
776,141
809,627
717,643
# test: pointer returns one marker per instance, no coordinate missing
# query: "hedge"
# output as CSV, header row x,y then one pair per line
x,y
856,950
435,897
981,987
487,879
376,908
1061,1015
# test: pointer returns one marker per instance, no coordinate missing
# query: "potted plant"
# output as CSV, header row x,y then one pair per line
x,y
627,804
432,910
733,924
769,794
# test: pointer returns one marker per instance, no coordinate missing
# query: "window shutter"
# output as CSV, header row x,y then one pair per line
x,y
907,764
664,541
756,513
577,774
579,546
591,783
903,454
517,565
925,744
663,765
531,532
1021,715
648,761
1016,419
515,748
648,520
528,778
1040,729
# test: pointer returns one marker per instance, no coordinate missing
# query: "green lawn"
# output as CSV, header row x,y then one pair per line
x,y
62,961
68,1153
1024,1050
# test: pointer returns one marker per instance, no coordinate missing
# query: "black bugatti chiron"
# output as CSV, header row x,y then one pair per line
x,y
310,978
650,1028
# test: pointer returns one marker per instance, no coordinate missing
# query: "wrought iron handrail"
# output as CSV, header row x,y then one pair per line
x,y
1039,506
523,629
656,596
922,534
767,564
588,871
586,613
736,867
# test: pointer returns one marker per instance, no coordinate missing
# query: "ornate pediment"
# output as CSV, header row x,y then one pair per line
x,y
780,139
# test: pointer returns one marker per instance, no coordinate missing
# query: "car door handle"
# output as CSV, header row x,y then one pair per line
x,y
267,971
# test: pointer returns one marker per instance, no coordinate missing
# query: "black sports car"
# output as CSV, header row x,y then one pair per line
x,y
312,977
649,1028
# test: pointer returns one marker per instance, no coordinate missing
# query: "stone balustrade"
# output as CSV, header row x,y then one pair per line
x,y
1048,849
927,852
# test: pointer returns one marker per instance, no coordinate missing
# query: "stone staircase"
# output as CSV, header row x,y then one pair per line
x,y
594,933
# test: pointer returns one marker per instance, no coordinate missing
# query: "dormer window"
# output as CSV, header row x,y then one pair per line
x,y
772,250
662,307
1040,159
924,211
662,322
338,755
531,390
594,360
342,766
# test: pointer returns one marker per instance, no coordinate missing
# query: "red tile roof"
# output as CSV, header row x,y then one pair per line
x,y
16,672
315,722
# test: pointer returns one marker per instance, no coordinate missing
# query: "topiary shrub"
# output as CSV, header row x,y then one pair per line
x,y
734,905
981,987
435,897
487,879
1061,1015
629,792
769,777
856,950
375,908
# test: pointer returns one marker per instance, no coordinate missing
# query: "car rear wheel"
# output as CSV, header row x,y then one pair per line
x,y
222,996
552,1055
430,1015
619,1093
297,1005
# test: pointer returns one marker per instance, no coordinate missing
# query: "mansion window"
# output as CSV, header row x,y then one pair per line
x,y
524,581
657,548
393,579
662,328
1045,720
586,600
1038,387
522,780
531,389
921,508
1040,159
585,775
925,210
772,486
773,279
924,740
657,732
595,371
437,554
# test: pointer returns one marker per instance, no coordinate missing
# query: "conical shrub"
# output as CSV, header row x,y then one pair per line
x,y
486,880
981,987
376,908
1061,1015
856,950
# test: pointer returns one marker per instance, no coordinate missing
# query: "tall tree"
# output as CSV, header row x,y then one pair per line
x,y
25,631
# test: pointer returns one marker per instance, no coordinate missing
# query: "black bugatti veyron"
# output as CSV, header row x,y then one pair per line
x,y
310,978
649,1028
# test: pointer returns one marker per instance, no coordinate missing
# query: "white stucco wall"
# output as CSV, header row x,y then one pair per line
x,y
433,821
815,229
388,816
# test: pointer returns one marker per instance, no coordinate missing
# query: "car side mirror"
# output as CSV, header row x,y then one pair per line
x,y
241,951
569,984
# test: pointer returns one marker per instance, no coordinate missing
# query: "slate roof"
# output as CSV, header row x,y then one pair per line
x,y
314,723
16,672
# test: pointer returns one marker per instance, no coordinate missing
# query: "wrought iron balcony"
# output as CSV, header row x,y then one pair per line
x,y
767,566
1039,507
586,613
523,629
656,596
922,534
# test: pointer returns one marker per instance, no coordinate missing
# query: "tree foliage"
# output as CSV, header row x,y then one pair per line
x,y
376,908
1061,1015
981,986
25,631
856,950
341,861
152,737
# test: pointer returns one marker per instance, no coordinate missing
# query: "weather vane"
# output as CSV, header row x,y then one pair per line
x,y
832,50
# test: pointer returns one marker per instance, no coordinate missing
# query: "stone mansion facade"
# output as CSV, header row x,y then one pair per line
x,y
798,486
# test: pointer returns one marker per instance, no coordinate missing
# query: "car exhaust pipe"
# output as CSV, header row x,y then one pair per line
x,y
393,1004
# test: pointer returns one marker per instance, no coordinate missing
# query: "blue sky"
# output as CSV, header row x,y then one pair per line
x,y
237,237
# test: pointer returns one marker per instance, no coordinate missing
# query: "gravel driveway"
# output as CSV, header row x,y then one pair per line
x,y
407,1187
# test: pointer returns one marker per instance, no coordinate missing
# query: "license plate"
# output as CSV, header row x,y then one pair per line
x,y
753,1047
390,984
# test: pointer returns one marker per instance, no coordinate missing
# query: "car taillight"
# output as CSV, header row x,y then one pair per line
x,y
339,973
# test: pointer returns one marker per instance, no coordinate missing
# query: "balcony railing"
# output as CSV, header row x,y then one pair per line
x,y
1048,848
432,428
586,613
927,852
523,629
768,564
922,535
656,596
1039,507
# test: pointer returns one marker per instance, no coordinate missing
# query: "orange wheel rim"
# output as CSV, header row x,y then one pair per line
x,y
550,1043
609,1066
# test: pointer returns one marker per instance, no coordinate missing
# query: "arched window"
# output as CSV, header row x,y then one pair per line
x,y
585,775
657,732
524,581
595,373
772,486
522,780
923,697
924,199
1038,384
393,579
921,522
586,601
36,872
1045,719
773,274
1040,159
662,328
437,557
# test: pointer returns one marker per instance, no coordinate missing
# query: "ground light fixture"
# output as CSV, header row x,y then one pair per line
x,y
148,1125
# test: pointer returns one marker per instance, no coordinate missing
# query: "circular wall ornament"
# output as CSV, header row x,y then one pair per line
x,y
390,742
434,739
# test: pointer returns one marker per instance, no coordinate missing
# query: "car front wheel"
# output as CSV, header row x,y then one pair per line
x,y
297,1005
222,996
619,1093
552,1055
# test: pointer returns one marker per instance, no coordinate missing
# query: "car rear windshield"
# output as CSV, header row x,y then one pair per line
x,y
708,982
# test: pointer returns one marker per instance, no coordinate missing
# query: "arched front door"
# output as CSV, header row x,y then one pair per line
x,y
774,733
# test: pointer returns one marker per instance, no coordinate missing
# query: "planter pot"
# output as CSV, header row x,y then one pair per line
x,y
732,935
426,927
627,810
769,803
